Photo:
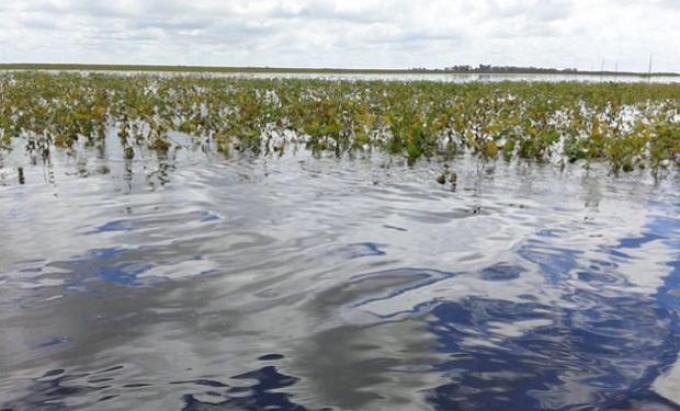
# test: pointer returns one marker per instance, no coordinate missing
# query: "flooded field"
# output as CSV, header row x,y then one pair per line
x,y
302,282
442,77
222,272
465,78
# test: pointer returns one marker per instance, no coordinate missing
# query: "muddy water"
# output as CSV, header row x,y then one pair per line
x,y
202,283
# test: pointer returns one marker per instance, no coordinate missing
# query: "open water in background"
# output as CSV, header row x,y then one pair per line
x,y
400,77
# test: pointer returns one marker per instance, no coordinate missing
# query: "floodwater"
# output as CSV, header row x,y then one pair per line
x,y
463,78
401,77
198,282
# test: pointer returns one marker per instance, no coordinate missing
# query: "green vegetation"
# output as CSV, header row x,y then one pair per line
x,y
629,125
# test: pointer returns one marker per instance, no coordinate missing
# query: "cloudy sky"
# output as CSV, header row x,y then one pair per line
x,y
352,33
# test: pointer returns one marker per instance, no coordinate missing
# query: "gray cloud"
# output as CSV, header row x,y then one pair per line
x,y
325,33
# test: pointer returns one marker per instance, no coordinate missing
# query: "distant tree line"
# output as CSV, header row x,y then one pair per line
x,y
488,68
491,69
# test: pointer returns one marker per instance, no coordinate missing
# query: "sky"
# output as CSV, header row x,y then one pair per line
x,y
345,34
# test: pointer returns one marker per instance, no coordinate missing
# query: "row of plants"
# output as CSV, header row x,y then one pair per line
x,y
628,125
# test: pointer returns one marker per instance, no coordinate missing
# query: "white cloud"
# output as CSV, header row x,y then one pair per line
x,y
366,33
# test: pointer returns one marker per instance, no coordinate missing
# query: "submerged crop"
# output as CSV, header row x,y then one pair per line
x,y
628,125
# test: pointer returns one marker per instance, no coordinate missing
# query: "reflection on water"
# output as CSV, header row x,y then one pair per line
x,y
203,283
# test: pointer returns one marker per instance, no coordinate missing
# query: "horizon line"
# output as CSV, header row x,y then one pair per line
x,y
455,69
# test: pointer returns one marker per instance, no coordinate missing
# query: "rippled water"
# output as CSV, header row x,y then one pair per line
x,y
204,283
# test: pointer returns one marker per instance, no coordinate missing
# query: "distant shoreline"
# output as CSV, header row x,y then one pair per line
x,y
285,70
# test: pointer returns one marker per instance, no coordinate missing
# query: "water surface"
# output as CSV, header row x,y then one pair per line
x,y
197,282
401,77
